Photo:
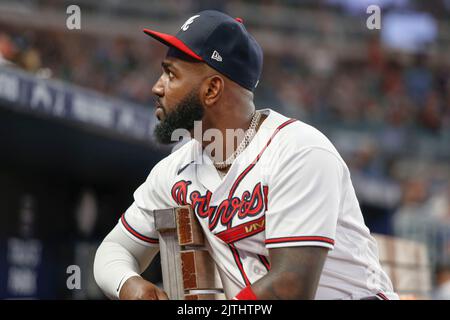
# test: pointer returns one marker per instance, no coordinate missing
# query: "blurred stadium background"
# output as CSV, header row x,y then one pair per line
x,y
76,119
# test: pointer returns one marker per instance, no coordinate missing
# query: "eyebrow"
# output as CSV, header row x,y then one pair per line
x,y
168,65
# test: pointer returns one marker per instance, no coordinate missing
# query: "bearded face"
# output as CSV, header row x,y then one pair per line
x,y
182,116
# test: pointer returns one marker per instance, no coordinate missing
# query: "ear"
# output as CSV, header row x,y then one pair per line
x,y
213,89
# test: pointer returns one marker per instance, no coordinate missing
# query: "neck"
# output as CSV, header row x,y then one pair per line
x,y
224,129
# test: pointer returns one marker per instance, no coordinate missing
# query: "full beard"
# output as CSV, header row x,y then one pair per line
x,y
186,112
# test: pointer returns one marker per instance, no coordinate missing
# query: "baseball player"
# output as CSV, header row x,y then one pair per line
x,y
278,210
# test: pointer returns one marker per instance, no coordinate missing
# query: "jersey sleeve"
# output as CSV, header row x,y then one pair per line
x,y
303,199
138,220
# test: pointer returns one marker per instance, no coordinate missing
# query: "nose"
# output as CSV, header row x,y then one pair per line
x,y
158,88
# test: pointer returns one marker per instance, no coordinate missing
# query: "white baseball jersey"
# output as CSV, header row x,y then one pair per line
x,y
289,187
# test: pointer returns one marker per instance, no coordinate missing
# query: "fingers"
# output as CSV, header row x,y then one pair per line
x,y
162,295
137,288
152,292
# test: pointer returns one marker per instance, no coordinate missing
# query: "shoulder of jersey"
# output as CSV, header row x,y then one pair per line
x,y
298,135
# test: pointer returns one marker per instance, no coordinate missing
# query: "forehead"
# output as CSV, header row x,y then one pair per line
x,y
179,65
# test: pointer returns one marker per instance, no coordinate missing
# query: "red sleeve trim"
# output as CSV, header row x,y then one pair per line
x,y
301,239
135,233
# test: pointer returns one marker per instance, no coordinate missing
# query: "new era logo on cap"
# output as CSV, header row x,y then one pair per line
x,y
216,56
221,42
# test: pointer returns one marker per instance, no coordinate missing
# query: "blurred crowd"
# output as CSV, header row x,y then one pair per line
x,y
395,97
114,66
380,89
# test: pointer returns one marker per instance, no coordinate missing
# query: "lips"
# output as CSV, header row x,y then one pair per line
x,y
159,112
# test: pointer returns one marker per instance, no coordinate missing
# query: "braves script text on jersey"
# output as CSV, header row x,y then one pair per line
x,y
289,187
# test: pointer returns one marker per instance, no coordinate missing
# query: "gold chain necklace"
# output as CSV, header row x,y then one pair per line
x,y
249,134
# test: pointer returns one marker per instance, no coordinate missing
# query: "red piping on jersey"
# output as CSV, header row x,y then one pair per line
x,y
238,261
266,199
382,296
299,239
236,183
250,167
264,261
243,231
135,233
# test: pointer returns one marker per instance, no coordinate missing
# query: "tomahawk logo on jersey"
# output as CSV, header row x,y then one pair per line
x,y
273,196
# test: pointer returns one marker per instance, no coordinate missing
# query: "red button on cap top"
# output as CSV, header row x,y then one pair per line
x,y
240,20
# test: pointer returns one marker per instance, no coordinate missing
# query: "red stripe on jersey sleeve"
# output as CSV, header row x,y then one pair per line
x,y
300,239
135,233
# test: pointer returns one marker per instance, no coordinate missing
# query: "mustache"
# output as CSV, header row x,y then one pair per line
x,y
158,104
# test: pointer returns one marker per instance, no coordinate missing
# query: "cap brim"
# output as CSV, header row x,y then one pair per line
x,y
170,40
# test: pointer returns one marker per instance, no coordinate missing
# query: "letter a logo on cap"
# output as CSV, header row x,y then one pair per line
x,y
185,26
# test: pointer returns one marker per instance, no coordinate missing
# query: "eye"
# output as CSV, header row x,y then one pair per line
x,y
171,75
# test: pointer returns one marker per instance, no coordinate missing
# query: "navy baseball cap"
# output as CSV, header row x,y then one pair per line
x,y
220,41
